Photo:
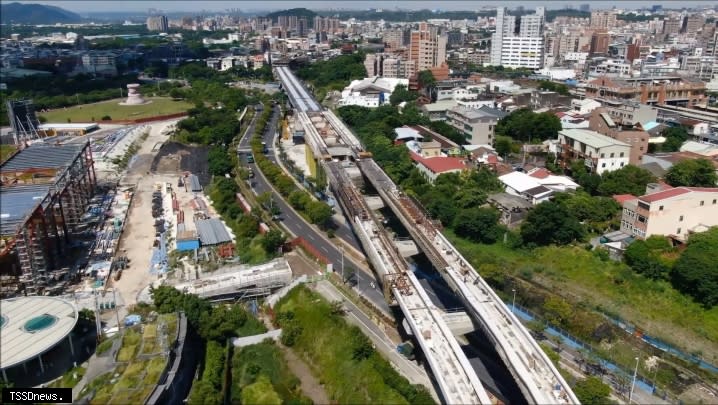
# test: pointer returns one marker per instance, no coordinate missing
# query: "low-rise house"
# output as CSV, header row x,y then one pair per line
x,y
602,123
675,212
599,152
522,185
433,167
477,124
552,181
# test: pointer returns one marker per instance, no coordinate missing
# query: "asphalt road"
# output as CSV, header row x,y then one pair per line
x,y
299,227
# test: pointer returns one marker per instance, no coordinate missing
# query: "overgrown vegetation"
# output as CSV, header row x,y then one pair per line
x,y
343,356
260,375
335,73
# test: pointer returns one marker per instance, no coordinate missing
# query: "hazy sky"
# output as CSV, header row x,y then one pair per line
x,y
81,7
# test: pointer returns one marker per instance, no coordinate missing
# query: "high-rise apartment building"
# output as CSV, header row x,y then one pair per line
x,y
603,19
157,23
672,26
427,47
693,23
514,49
393,38
599,43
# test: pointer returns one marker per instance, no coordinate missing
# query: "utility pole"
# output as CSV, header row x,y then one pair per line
x,y
117,313
344,280
633,383
98,324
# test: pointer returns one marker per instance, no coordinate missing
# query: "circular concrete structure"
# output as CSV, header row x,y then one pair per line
x,y
133,96
30,326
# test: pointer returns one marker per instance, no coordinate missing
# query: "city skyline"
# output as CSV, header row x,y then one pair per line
x,y
83,7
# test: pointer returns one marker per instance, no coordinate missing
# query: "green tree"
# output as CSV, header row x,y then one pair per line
x,y
592,391
527,126
503,145
696,271
261,392
273,240
402,93
675,137
692,173
549,223
626,180
426,79
319,213
644,257
557,310
478,225
203,393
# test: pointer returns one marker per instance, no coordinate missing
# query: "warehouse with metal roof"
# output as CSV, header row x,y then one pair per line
x,y
212,232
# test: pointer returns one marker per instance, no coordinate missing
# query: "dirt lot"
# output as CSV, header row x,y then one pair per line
x,y
173,158
139,231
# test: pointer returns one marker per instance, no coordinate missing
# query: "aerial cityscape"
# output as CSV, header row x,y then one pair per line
x,y
371,202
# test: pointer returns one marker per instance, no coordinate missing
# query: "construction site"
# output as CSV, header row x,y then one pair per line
x,y
46,191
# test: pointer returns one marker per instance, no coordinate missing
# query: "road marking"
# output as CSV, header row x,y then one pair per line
x,y
310,236
324,249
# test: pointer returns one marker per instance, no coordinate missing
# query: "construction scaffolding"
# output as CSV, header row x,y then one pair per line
x,y
46,190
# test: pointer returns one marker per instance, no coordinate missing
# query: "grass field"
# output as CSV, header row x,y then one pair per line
x,y
95,112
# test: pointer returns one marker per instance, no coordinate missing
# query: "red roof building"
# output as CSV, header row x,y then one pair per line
x,y
431,168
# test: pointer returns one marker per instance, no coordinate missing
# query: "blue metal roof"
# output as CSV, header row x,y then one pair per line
x,y
17,202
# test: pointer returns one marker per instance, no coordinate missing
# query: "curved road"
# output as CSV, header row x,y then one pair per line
x,y
294,223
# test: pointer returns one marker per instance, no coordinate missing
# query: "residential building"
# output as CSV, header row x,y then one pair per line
x,y
674,212
599,43
524,50
393,38
693,23
602,123
524,186
476,124
600,153
584,106
99,63
672,25
552,181
157,23
603,19
630,113
431,168
672,90
427,47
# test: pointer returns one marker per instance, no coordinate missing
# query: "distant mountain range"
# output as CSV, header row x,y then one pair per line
x,y
16,13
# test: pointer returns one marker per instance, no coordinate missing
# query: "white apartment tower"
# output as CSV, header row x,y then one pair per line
x,y
523,49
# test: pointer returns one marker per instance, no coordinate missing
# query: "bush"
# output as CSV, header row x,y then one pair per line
x,y
106,118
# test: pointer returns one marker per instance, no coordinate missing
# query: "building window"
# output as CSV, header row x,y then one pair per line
x,y
612,154
641,148
661,209
678,231
714,202
680,219
621,155
603,155
701,203
603,165
621,164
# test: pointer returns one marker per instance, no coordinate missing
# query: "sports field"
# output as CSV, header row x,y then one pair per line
x,y
95,111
